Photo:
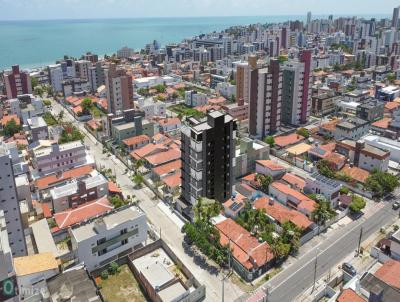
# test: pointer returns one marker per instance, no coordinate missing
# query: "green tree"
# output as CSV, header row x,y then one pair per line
x,y
303,132
357,204
270,141
391,77
344,190
265,181
11,128
137,165
34,82
381,183
160,88
60,116
86,106
322,213
116,201
325,169
138,179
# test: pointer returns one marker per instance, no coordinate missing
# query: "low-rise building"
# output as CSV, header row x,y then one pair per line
x,y
151,107
169,124
104,239
324,104
76,193
60,157
371,110
364,156
292,198
247,154
270,168
194,98
38,128
237,111
351,128
329,188
383,143
136,142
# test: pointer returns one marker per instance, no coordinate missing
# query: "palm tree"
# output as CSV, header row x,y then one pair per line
x,y
322,213
198,208
137,165
265,181
60,116
138,179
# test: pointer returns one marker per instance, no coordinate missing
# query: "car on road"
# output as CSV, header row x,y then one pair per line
x,y
396,206
348,268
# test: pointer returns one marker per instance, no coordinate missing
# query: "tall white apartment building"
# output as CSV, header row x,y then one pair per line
x,y
56,77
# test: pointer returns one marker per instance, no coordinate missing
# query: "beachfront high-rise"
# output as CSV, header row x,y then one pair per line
x,y
208,149
395,18
119,89
296,89
265,100
17,82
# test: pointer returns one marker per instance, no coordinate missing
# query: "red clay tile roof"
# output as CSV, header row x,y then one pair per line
x,y
286,140
305,202
336,158
163,157
294,180
245,248
173,180
83,212
270,165
217,101
389,273
113,188
136,140
46,210
47,181
349,295
169,121
356,173
10,117
167,168
239,199
383,123
281,213
147,150
330,126
391,105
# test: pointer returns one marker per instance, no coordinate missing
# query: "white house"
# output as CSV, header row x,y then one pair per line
x,y
194,98
101,240
151,107
269,167
329,188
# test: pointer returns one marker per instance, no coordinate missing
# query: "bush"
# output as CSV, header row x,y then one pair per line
x,y
344,190
114,268
357,204
303,132
104,275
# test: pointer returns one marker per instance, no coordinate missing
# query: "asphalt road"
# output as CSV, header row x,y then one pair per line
x,y
291,282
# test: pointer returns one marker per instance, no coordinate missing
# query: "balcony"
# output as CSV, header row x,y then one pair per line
x,y
198,147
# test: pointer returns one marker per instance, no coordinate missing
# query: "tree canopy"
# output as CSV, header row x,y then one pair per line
x,y
270,141
357,204
381,183
303,132
11,128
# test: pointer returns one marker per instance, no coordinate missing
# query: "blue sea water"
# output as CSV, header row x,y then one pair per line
x,y
36,43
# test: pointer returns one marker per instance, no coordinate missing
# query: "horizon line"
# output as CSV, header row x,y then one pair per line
x,y
188,17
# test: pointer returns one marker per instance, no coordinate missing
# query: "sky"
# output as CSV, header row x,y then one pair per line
x,y
85,9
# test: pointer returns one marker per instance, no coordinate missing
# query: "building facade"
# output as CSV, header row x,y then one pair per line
x,y
17,82
208,150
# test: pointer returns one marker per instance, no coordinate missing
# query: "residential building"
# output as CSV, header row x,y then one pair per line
x,y
292,198
352,128
371,110
246,155
151,107
10,206
265,100
395,18
82,69
59,158
119,89
226,89
136,142
38,128
384,143
324,103
104,239
77,192
270,168
17,82
364,156
56,77
251,258
194,98
131,129
125,52
73,86
296,90
31,270
169,124
238,111
148,82
329,188
243,75
208,149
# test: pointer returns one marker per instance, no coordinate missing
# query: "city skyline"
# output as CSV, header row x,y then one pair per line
x,y
76,9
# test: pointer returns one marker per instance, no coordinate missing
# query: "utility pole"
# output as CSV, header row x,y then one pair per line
x,y
223,287
315,269
359,241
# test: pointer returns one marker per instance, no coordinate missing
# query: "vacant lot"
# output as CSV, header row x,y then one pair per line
x,y
121,287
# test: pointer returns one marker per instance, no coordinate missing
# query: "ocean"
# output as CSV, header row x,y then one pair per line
x,y
36,43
